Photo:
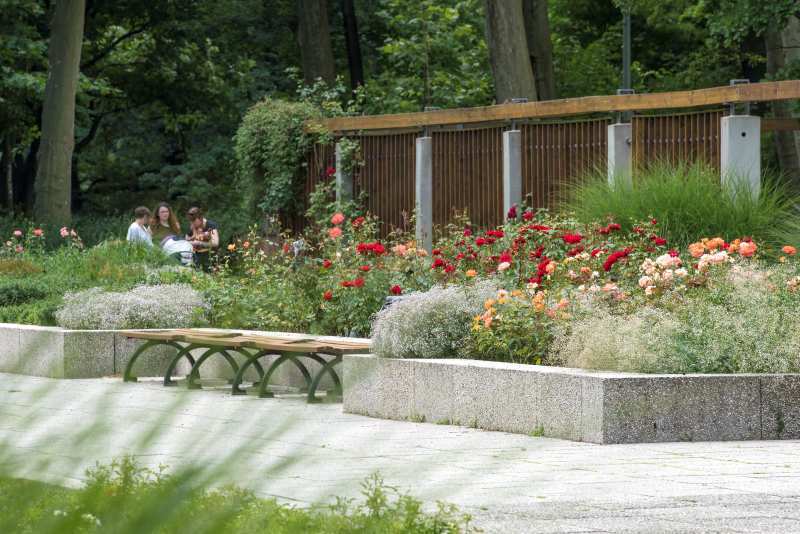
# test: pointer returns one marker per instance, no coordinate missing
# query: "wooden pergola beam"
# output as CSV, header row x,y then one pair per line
x,y
734,94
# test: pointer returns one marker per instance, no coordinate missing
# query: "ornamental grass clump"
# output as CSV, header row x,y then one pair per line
x,y
688,202
161,306
430,324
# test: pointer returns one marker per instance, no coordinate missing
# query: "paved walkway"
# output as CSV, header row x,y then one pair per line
x,y
55,429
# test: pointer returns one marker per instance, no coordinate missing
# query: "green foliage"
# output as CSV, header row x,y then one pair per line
x,y
14,292
689,203
125,498
271,146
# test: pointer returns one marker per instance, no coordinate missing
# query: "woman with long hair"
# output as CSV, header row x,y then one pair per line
x,y
164,223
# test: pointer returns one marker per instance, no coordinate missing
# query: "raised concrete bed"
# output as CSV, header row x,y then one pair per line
x,y
60,353
574,404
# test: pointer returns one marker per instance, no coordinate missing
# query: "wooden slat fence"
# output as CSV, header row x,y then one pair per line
x,y
554,155
387,177
468,174
686,138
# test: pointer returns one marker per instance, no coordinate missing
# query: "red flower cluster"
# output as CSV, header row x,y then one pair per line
x,y
505,256
358,282
658,241
375,248
328,295
612,227
326,263
437,263
572,239
364,268
467,232
614,257
396,290
495,233
357,222
527,216
575,251
539,227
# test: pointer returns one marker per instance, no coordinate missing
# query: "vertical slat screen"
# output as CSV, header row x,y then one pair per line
x,y
387,178
684,138
468,175
554,155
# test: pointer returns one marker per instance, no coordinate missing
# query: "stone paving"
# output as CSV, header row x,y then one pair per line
x,y
54,429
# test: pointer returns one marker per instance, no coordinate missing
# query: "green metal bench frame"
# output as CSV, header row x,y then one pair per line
x,y
217,345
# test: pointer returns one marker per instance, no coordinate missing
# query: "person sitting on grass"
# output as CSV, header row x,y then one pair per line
x,y
137,231
164,223
203,235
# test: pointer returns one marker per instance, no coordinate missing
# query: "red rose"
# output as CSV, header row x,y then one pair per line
x,y
346,283
438,262
512,212
467,232
539,227
460,256
614,257
596,252
436,252
449,268
364,268
357,222
328,295
572,239
505,256
326,263
330,171
396,290
673,253
528,215
659,241
495,233
575,251
653,221
480,241
537,253
358,282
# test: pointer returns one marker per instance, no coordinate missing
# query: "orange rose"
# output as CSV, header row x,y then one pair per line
x,y
747,248
696,249
789,250
471,272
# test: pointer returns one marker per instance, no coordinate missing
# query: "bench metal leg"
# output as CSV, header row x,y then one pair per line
x,y
128,376
237,382
185,352
262,387
336,393
194,374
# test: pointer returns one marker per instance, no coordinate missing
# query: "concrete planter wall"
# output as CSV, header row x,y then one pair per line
x,y
60,353
574,404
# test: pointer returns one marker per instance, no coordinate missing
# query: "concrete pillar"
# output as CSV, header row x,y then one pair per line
x,y
424,193
740,153
620,158
512,169
344,180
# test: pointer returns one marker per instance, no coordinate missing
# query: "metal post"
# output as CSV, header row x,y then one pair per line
x,y
424,192
626,48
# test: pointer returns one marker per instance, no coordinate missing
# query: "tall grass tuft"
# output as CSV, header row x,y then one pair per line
x,y
689,203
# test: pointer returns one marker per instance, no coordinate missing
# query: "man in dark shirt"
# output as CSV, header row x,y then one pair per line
x,y
203,235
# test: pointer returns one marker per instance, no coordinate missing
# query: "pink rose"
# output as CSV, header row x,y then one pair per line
x,y
64,232
335,232
38,232
337,218
17,233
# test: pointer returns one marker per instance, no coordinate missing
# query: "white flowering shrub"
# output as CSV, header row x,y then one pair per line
x,y
159,306
750,323
430,324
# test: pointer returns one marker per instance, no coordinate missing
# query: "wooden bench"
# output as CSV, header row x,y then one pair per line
x,y
253,347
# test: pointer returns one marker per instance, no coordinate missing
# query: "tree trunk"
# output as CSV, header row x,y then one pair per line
x,y
354,62
508,51
8,176
540,47
785,141
314,36
53,177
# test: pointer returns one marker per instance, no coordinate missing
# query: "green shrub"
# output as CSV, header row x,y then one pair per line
x,y
39,312
689,203
271,146
124,498
18,267
14,292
